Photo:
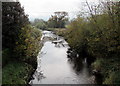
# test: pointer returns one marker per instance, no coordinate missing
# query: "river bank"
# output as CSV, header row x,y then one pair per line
x,y
108,69
19,64
20,44
19,71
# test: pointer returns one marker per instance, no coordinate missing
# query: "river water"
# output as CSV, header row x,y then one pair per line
x,y
55,68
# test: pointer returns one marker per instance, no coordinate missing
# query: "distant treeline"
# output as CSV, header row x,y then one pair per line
x,y
58,20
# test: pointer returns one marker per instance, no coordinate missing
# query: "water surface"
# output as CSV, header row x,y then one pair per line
x,y
55,68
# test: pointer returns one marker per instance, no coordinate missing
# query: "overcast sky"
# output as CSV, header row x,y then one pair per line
x,y
44,8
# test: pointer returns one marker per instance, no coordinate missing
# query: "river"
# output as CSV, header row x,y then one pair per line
x,y
54,67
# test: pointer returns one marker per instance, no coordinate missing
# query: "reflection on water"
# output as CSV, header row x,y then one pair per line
x,y
55,68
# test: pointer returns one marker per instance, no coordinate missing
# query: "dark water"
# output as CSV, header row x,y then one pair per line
x,y
55,68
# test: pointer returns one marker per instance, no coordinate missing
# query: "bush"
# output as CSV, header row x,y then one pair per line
x,y
98,36
114,78
98,64
109,68
16,73
77,34
28,46
5,57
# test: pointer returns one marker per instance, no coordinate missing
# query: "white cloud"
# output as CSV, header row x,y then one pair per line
x,y
45,8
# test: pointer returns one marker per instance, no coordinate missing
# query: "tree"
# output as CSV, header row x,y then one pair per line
x,y
40,23
58,20
13,19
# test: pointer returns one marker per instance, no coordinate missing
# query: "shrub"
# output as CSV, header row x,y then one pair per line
x,y
28,46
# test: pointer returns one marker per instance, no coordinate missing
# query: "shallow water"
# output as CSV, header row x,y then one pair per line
x,y
55,68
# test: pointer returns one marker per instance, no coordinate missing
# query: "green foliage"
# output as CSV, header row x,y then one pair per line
x,y
28,46
98,64
109,68
5,56
114,78
77,35
13,19
40,24
99,36
16,73
58,31
18,38
58,20
104,38
21,63
20,44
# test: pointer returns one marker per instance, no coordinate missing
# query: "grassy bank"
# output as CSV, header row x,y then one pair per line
x,y
16,73
110,69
